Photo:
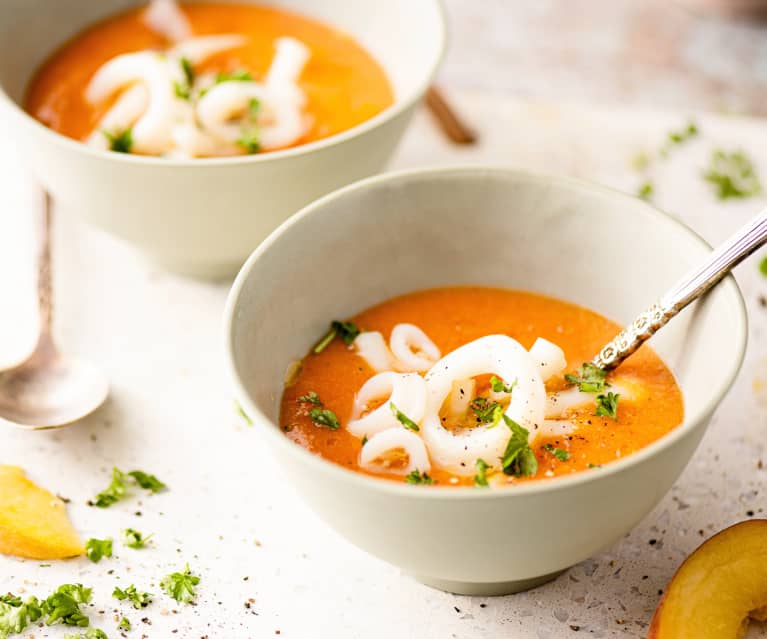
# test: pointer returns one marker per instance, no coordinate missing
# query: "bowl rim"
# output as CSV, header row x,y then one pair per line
x,y
691,420
399,106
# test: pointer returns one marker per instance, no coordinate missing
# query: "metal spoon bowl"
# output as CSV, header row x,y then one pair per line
x,y
47,390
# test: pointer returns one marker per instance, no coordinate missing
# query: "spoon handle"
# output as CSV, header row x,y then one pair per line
x,y
694,284
44,278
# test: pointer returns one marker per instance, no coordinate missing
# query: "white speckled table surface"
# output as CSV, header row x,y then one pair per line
x,y
268,565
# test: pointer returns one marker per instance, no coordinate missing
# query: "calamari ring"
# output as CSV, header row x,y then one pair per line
x,y
406,391
550,357
392,441
371,347
413,348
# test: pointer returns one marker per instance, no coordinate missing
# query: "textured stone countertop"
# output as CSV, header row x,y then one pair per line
x,y
267,563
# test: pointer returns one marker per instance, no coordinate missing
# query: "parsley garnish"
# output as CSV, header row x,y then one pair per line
x,y
134,539
91,633
594,466
499,387
180,585
645,191
590,379
147,481
120,141
239,75
733,174
63,606
682,135
138,598
347,331
417,477
487,412
324,417
607,405
310,398
254,108
561,455
242,413
763,266
124,624
118,488
95,549
364,440
250,139
403,419
16,615
480,479
518,458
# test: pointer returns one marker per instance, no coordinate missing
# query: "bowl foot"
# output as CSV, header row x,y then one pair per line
x,y
489,589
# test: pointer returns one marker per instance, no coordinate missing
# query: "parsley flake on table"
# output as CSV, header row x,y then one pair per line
x,y
96,549
518,458
91,633
242,413
16,615
417,477
63,605
645,191
132,538
147,481
180,585
325,417
347,331
499,386
139,599
124,624
113,493
487,412
607,405
733,175
560,454
403,419
763,266
589,379
480,479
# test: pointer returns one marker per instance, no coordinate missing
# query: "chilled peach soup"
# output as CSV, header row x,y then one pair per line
x,y
475,386
207,79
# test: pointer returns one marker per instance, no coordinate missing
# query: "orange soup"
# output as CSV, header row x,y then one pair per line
x,y
475,386
323,83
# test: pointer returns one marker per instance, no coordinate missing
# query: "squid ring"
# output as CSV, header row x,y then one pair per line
x,y
406,391
387,446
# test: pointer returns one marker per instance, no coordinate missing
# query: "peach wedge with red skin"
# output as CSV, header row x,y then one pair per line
x,y
718,587
33,521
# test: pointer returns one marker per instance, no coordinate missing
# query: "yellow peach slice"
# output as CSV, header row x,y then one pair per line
x,y
718,587
33,522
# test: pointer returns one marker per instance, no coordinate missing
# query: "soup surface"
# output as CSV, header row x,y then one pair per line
x,y
571,438
339,84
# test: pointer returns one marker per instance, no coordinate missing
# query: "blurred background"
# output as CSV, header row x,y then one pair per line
x,y
705,54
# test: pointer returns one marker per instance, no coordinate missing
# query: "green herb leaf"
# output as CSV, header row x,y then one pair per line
x,y
95,549
120,141
594,466
242,413
733,175
364,440
91,633
310,398
138,598
403,419
518,458
63,605
417,477
238,75
188,69
132,538
590,379
124,624
16,615
646,191
561,455
180,585
763,266
607,405
347,331
480,479
182,90
498,385
254,108
250,139
682,135
324,417
147,481
116,490
487,412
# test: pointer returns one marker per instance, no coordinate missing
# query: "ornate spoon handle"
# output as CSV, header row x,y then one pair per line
x,y
694,284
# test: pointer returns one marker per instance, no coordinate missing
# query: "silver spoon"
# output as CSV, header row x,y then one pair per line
x,y
47,390
694,284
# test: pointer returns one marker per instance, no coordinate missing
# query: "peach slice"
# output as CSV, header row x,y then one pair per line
x,y
718,587
33,522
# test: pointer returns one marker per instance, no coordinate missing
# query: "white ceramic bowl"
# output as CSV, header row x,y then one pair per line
x,y
404,232
203,217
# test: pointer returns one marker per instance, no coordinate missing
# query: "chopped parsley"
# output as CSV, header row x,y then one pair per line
x,y
607,405
120,141
498,385
132,538
325,417
147,481
590,379
242,413
16,615
310,398
364,440
254,108
518,458
238,75
138,598
347,331
118,487
480,479
646,191
417,477
682,135
124,624
91,633
595,466
561,455
63,605
180,585
96,549
250,139
487,412
403,419
763,266
733,175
